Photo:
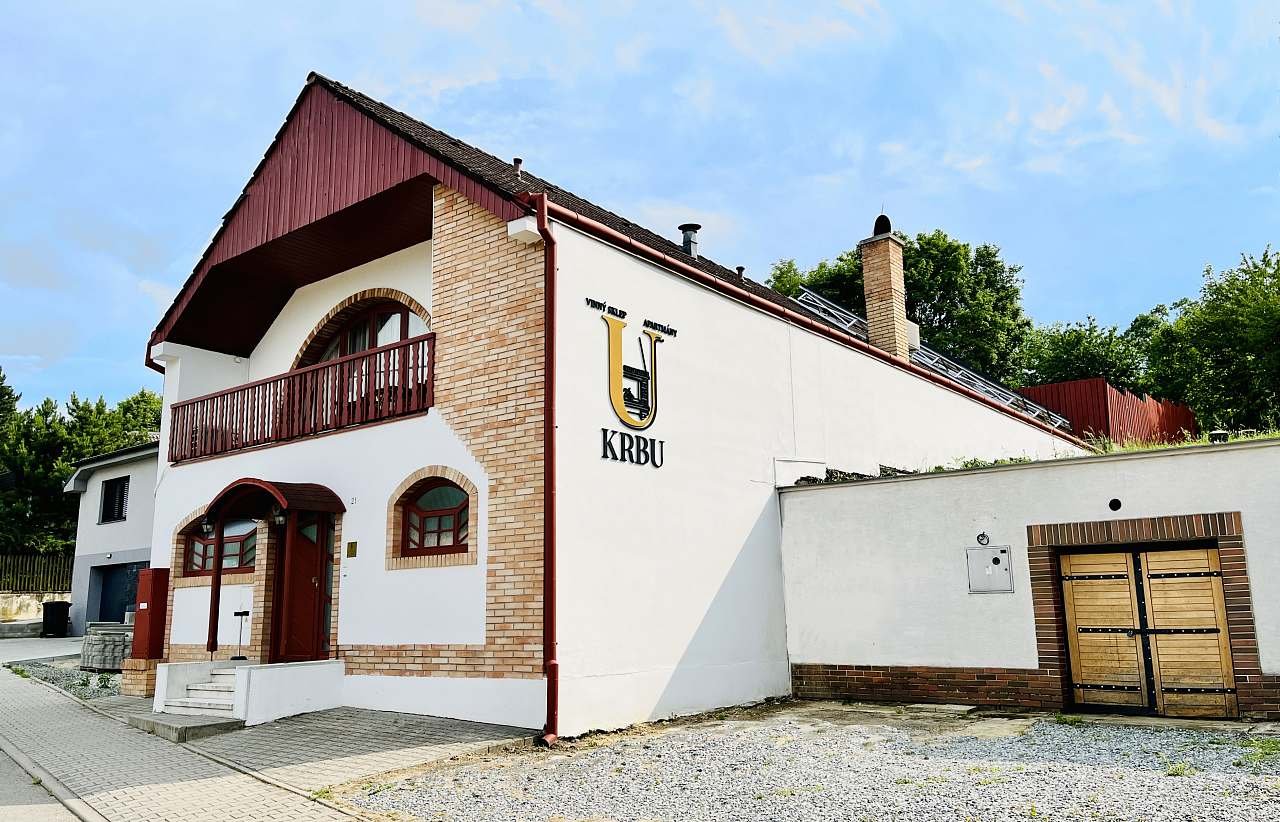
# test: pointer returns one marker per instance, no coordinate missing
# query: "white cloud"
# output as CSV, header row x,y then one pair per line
x,y
462,15
160,294
23,267
698,93
662,216
629,54
767,39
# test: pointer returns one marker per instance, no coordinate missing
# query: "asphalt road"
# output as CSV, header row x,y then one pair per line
x,y
22,801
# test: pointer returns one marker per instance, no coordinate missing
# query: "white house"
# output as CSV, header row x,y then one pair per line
x,y
441,437
113,532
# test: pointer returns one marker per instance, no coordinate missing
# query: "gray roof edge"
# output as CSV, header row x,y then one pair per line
x,y
1154,453
78,482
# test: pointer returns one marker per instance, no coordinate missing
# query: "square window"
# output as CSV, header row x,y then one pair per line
x,y
115,500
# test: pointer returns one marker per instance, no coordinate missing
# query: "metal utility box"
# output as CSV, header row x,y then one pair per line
x,y
990,570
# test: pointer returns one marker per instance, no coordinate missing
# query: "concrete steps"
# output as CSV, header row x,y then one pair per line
x,y
217,691
214,698
184,728
194,706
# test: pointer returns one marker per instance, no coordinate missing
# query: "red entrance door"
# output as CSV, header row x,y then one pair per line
x,y
302,589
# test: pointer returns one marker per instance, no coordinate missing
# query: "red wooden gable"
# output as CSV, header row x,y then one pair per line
x,y
335,189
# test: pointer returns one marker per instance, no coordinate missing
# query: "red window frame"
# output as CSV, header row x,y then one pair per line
x,y
461,513
230,545
369,319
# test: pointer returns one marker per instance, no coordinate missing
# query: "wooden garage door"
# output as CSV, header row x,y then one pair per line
x,y
1147,631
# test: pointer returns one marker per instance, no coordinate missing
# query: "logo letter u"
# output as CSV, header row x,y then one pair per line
x,y
644,399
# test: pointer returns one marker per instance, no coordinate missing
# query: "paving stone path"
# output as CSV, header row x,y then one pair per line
x,y
340,745
127,775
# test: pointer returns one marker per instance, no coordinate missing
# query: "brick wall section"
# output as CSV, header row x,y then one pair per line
x,y
138,677
487,303
886,295
1048,685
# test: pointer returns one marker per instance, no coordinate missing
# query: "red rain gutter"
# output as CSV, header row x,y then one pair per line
x,y
604,232
550,664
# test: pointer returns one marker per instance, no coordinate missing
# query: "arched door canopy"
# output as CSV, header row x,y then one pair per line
x,y
252,497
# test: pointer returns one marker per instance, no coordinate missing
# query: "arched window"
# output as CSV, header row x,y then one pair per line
x,y
435,515
366,324
239,549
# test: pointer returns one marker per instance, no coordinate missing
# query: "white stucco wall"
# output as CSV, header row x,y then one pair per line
x,y
670,581
191,614
875,571
408,270
134,531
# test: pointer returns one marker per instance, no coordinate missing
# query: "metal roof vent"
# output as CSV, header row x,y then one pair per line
x,y
689,240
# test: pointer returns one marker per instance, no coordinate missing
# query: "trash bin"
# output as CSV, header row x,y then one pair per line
x,y
55,618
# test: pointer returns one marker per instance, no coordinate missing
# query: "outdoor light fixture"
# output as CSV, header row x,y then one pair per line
x,y
983,539
206,527
277,515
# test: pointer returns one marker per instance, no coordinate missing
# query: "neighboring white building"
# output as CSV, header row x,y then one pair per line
x,y
1145,581
468,445
113,532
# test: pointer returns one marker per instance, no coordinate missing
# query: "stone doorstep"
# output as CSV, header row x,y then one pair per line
x,y
181,728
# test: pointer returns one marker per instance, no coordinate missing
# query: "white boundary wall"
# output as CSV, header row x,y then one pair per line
x,y
670,581
875,571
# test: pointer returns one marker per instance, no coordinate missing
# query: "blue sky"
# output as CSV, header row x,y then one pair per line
x,y
1113,150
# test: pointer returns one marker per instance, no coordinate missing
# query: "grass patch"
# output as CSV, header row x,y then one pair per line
x,y
1106,446
325,793
1179,769
1068,719
18,670
1261,750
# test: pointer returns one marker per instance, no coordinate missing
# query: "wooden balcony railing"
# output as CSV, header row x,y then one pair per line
x,y
379,384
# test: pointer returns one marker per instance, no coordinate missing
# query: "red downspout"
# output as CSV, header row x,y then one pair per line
x,y
614,237
550,664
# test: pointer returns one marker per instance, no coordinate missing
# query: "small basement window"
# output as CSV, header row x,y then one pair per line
x,y
115,500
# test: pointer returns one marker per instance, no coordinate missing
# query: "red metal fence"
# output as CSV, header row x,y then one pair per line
x,y
1095,408
381,383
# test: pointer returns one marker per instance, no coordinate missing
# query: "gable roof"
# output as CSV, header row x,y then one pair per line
x,y
496,184
78,482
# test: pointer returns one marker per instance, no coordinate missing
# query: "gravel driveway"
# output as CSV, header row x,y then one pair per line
x,y
816,761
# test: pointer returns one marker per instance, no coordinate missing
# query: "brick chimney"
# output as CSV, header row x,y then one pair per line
x,y
887,325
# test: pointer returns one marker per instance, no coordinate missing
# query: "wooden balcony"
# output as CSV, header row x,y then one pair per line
x,y
379,384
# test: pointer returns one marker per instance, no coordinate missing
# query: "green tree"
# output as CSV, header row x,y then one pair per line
x,y
39,516
39,452
1220,353
1081,350
139,417
967,300
8,402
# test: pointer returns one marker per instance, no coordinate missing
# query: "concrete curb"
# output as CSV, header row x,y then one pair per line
x,y
73,803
